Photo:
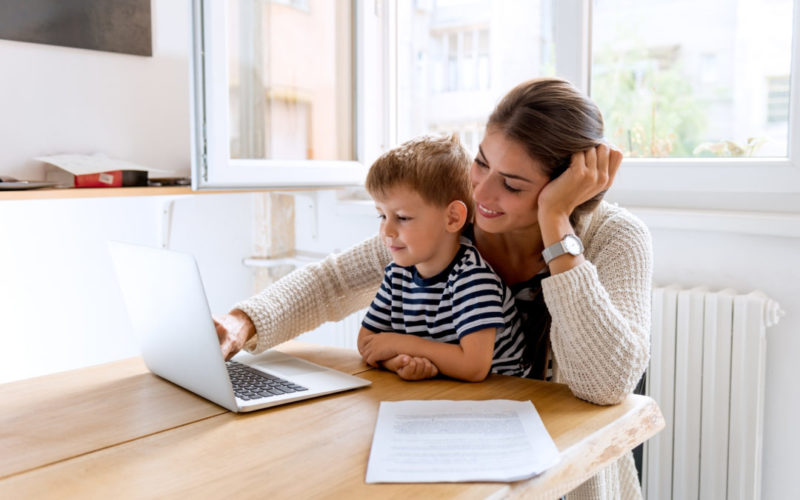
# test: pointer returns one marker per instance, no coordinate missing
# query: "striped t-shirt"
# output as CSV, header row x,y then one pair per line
x,y
465,297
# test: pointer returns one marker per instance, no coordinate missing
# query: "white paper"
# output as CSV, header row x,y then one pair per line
x,y
454,441
93,164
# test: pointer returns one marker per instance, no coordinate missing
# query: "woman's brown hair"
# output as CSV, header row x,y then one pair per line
x,y
552,120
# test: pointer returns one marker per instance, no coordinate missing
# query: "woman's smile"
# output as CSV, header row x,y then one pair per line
x,y
487,212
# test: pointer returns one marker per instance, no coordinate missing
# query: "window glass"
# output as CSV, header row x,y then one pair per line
x,y
464,56
290,74
693,78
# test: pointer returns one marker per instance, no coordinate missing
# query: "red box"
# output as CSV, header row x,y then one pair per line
x,y
115,178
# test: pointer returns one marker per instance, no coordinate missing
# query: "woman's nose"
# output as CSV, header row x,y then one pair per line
x,y
480,189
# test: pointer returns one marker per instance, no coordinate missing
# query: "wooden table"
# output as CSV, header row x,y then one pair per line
x,y
117,431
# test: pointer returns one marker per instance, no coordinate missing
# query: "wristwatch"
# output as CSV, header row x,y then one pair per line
x,y
571,244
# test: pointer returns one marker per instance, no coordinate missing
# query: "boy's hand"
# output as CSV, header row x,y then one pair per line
x,y
411,367
363,335
380,347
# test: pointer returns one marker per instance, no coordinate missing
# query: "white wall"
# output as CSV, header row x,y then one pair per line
x,y
66,100
726,253
60,307
324,226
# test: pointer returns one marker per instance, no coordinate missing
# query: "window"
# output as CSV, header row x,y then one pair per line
x,y
297,4
290,80
466,63
694,91
704,112
778,99
699,94
463,56
276,85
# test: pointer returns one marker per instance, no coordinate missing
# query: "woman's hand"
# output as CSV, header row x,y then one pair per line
x,y
589,173
233,330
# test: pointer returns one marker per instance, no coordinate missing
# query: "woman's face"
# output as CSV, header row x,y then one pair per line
x,y
506,183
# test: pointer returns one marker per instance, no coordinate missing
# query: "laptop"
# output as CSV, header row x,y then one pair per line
x,y
169,312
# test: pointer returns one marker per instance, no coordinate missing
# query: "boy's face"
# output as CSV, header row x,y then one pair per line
x,y
414,230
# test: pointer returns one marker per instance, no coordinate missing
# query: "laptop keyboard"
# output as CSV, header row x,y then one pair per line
x,y
249,383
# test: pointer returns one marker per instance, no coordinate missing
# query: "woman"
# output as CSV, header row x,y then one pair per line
x,y
538,181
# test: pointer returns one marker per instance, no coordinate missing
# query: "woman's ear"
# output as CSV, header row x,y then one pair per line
x,y
456,216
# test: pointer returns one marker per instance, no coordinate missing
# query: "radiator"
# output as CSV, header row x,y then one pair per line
x,y
707,369
342,333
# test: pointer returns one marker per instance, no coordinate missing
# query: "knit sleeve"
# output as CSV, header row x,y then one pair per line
x,y
600,312
325,291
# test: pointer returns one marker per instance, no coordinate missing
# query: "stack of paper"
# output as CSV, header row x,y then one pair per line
x,y
73,170
454,441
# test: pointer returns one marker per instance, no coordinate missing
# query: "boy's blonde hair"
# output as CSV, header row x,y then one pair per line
x,y
435,167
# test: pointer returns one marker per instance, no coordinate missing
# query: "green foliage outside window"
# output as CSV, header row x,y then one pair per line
x,y
649,107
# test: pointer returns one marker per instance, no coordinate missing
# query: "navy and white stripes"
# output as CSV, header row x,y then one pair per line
x,y
464,298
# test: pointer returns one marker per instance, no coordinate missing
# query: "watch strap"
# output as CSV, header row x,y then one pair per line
x,y
555,250
559,248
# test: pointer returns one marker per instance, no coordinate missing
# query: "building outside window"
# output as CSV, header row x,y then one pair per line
x,y
778,99
456,58
696,91
290,74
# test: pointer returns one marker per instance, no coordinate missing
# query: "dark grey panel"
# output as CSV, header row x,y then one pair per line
x,y
109,25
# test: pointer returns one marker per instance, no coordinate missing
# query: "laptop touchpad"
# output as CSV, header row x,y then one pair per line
x,y
289,367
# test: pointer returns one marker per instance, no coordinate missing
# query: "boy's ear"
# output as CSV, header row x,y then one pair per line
x,y
456,215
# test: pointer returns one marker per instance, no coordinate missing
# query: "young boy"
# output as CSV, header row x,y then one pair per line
x,y
439,302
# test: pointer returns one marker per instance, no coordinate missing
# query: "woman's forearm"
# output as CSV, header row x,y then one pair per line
x,y
554,227
601,313
308,297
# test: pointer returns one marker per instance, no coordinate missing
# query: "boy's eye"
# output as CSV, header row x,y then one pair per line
x,y
398,218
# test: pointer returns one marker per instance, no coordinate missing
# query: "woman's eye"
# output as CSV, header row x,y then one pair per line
x,y
480,163
511,189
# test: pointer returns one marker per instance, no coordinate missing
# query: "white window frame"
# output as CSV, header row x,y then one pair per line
x,y
212,166
763,184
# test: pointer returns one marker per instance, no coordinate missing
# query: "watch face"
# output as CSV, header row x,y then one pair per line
x,y
572,245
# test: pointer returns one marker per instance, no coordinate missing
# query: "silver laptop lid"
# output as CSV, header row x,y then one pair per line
x,y
169,313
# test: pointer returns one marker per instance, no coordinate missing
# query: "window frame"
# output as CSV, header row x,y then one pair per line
x,y
726,183
212,167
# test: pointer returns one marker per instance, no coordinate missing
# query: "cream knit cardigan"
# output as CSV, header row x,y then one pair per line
x,y
600,310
